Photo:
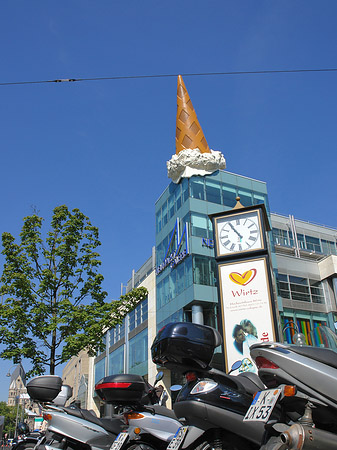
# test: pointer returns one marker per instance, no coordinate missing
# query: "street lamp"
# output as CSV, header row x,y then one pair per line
x,y
8,374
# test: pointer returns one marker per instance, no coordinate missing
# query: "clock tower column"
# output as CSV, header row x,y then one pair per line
x,y
246,296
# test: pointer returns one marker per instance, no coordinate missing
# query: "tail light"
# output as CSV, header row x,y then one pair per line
x,y
47,416
264,363
190,376
112,385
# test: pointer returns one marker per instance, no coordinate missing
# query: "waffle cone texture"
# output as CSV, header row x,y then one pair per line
x,y
189,134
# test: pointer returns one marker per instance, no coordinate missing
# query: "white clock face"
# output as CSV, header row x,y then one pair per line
x,y
239,233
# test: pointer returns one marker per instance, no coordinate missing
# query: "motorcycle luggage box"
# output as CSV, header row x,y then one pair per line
x,y
121,389
183,346
44,388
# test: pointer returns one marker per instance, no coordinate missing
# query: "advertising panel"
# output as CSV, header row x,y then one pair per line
x,y
246,307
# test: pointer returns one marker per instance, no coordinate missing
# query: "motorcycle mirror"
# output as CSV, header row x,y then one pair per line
x,y
175,387
159,376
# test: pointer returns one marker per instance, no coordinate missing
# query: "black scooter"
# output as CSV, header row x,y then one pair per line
x,y
211,399
25,438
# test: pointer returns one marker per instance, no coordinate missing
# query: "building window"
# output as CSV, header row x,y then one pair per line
x,y
177,197
158,221
204,270
313,244
164,214
138,315
99,370
259,198
180,280
116,361
228,196
198,225
184,187
281,237
117,333
245,197
99,351
197,188
300,289
317,293
138,349
328,247
175,282
213,191
291,323
305,242
178,316
283,286
161,250
301,241
171,210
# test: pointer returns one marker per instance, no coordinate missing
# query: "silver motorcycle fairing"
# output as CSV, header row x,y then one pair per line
x,y
80,430
310,376
162,427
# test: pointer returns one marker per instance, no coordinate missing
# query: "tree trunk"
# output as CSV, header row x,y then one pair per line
x,y
52,354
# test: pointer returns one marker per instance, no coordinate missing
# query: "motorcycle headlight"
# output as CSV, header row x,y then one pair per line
x,y
204,386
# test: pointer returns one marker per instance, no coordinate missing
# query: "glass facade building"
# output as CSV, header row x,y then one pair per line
x,y
182,271
303,255
192,283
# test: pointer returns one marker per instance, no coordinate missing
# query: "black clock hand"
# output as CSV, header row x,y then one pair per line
x,y
240,236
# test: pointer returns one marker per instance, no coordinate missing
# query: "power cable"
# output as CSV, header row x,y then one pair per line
x,y
255,72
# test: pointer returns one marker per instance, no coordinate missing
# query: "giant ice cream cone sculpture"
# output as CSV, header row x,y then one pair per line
x,y
188,130
193,156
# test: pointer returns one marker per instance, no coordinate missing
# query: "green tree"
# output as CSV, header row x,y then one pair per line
x,y
9,413
54,305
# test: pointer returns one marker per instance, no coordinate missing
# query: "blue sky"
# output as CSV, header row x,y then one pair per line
x,y
102,146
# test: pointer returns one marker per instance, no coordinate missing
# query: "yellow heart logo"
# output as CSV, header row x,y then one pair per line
x,y
243,278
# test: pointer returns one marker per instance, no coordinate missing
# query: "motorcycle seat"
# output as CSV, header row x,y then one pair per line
x,y
251,382
162,410
245,382
112,424
324,355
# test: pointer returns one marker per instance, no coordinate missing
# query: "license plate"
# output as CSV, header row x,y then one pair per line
x,y
119,441
177,439
262,405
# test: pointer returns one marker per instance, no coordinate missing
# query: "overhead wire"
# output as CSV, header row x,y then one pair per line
x,y
128,77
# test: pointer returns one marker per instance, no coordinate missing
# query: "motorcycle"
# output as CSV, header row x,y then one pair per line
x,y
211,400
149,424
25,439
301,381
70,427
140,405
